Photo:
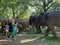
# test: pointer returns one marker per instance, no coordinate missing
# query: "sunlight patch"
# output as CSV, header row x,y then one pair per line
x,y
27,40
4,40
43,39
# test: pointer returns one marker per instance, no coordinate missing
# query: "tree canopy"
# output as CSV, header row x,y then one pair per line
x,y
24,8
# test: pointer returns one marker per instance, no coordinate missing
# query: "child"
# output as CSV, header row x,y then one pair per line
x,y
7,29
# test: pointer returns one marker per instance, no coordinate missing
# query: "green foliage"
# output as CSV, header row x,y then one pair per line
x,y
20,8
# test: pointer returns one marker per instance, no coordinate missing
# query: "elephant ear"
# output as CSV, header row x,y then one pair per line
x,y
41,16
46,16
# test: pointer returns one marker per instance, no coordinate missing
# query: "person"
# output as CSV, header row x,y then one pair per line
x,y
10,28
14,30
7,29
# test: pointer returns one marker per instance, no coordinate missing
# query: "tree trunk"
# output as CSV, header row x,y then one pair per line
x,y
46,5
13,13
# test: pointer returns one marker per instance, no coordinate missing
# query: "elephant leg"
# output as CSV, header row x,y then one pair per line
x,y
33,27
51,28
38,30
47,31
53,32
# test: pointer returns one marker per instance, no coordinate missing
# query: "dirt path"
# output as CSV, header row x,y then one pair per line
x,y
29,39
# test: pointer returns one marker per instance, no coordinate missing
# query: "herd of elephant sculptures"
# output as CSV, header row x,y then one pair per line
x,y
49,19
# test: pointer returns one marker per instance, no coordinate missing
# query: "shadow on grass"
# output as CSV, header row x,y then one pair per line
x,y
49,38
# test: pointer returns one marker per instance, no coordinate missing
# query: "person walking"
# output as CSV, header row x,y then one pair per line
x,y
10,28
14,30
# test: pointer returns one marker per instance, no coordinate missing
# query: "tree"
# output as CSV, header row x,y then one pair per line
x,y
19,7
46,5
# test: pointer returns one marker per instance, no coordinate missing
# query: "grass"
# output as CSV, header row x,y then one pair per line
x,y
48,38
